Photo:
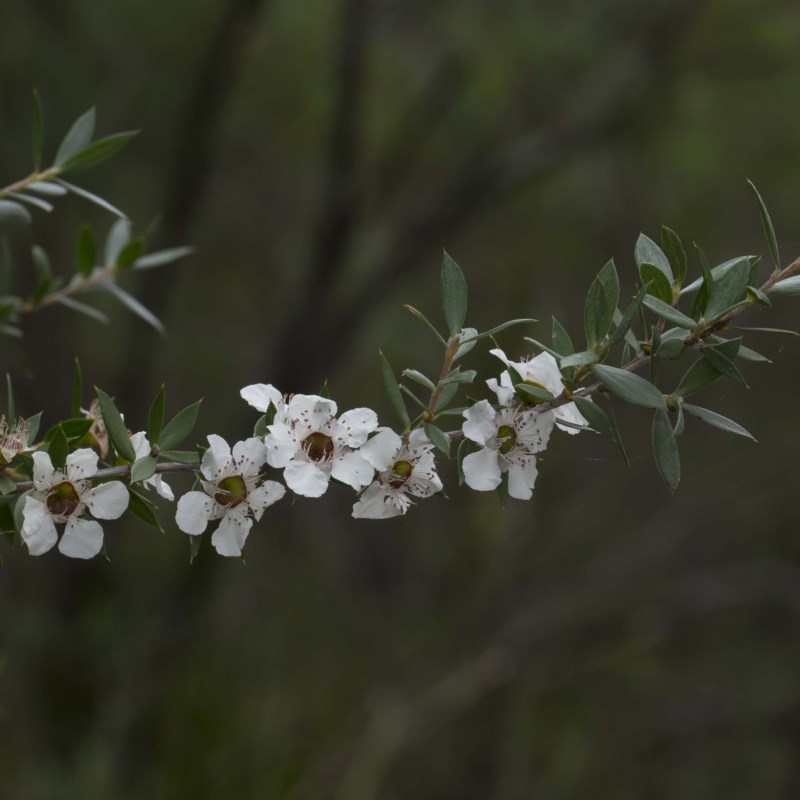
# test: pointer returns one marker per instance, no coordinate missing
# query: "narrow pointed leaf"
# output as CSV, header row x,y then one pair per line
x,y
181,456
728,290
579,359
665,450
32,201
83,308
135,306
14,215
98,151
722,364
86,251
769,231
787,286
143,468
454,294
717,420
647,251
418,377
179,427
77,138
669,313
47,188
629,386
58,448
118,236
155,419
562,343
162,257
393,391
117,430
673,250
626,319
660,287
439,438
144,509
595,416
92,198
426,322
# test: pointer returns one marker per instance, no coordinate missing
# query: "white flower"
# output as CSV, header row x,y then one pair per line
x,y
261,395
541,371
312,446
404,468
13,439
234,493
509,440
63,495
141,446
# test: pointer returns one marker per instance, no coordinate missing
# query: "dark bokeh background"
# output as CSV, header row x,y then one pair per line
x,y
605,639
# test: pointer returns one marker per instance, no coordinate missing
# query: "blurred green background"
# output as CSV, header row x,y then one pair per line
x,y
606,640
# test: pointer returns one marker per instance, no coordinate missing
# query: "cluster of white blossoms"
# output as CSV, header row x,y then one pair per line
x,y
304,436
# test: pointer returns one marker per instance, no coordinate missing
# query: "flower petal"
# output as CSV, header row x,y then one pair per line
x,y
43,477
249,455
108,500
311,412
81,464
482,470
217,459
356,425
570,413
481,422
381,449
141,446
264,496
194,511
260,395
306,478
373,504
521,477
83,538
281,444
229,538
161,486
38,529
353,470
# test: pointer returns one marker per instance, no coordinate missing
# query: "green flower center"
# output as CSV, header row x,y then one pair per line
x,y
507,438
401,472
232,491
62,500
318,446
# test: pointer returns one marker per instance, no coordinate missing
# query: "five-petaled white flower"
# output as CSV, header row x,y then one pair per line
x,y
312,446
541,371
141,446
63,495
404,468
509,439
234,492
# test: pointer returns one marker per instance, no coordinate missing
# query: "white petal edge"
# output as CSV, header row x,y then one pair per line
x,y
108,500
194,511
38,529
83,538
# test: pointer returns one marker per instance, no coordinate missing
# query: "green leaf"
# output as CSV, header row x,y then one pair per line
x,y
787,286
439,438
671,348
393,391
543,347
77,138
528,392
180,426
503,326
118,236
445,397
143,468
722,364
769,231
426,322
629,386
717,420
143,509
86,251
97,151
75,428
14,215
626,319
467,339
755,295
117,431
617,438
676,255
785,331
38,131
47,188
6,484
706,285
58,448
665,450
77,390
669,313
579,359
194,547
33,425
601,303
562,343
181,456
33,201
155,419
697,377
129,253
660,287
647,251
418,377
456,376
162,257
728,290
82,308
595,416
454,295
92,198
130,302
